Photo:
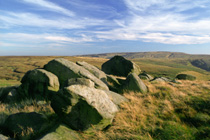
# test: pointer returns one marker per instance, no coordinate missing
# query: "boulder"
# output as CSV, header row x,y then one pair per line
x,y
7,93
25,125
116,98
134,83
185,77
145,76
82,106
80,81
38,82
161,79
120,66
62,132
94,70
65,70
2,137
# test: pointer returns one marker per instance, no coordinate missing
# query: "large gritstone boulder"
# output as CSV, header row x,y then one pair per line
x,y
94,70
120,66
185,77
26,125
134,83
82,107
65,70
38,82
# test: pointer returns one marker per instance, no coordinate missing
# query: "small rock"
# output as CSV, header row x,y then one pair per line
x,y
185,77
134,83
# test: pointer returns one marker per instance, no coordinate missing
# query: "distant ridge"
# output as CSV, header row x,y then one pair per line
x,y
200,61
134,55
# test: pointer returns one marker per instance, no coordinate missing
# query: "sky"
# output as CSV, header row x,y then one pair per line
x,y
76,27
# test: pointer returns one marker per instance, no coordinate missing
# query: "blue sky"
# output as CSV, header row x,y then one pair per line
x,y
74,27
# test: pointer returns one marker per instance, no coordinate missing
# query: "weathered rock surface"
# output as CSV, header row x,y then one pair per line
x,y
120,66
80,81
62,133
65,70
185,77
24,125
38,82
84,107
94,70
2,137
7,93
134,83
145,76
116,98
161,79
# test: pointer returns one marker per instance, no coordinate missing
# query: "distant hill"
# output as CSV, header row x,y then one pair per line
x,y
134,55
200,61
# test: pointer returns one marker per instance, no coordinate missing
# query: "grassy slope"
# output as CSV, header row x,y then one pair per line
x,y
166,112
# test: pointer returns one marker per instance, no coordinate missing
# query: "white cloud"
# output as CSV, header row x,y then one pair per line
x,y
28,19
25,38
170,27
50,6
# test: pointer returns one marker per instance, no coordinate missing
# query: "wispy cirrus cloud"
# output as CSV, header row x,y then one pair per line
x,y
34,20
149,22
50,6
26,38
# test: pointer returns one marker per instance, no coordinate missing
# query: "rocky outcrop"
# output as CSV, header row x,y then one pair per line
x,y
134,83
78,94
185,77
120,66
83,107
65,70
94,70
38,82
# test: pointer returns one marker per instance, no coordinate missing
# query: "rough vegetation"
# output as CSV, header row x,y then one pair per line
x,y
167,109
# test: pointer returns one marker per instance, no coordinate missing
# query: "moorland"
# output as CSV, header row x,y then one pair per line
x,y
168,111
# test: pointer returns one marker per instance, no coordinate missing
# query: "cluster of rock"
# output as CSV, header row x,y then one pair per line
x,y
81,95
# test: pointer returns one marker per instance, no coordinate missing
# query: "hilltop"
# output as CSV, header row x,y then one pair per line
x,y
200,61
135,55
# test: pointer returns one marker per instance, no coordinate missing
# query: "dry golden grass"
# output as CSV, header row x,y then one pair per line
x,y
145,113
